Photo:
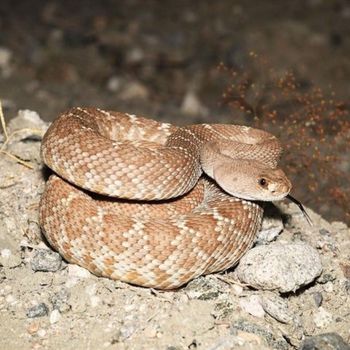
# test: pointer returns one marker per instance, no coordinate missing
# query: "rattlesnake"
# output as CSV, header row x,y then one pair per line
x,y
129,199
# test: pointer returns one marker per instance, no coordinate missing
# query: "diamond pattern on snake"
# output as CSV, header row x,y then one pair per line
x,y
153,204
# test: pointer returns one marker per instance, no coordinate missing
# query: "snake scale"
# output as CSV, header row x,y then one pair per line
x,y
153,204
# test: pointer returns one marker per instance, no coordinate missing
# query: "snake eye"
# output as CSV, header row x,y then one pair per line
x,y
262,182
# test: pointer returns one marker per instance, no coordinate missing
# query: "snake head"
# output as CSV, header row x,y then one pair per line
x,y
252,180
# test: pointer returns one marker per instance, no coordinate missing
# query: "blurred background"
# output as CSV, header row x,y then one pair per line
x,y
281,66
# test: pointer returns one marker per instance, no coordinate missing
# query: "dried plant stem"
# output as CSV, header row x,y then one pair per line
x,y
3,123
8,138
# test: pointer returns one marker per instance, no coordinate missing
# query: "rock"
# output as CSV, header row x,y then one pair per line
x,y
318,298
78,271
8,259
243,325
223,310
75,274
204,288
326,341
252,305
46,260
322,317
41,333
33,328
30,121
55,316
114,83
38,310
282,267
271,227
192,106
276,307
241,340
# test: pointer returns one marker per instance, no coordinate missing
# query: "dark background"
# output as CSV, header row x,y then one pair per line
x,y
161,58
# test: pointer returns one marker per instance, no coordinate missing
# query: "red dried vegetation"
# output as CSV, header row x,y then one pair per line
x,y
313,127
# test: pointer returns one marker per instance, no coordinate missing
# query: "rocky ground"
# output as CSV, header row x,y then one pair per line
x,y
291,291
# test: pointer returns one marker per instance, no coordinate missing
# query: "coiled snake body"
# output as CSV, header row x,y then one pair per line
x,y
128,200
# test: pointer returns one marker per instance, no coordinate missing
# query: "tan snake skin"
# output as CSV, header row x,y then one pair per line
x,y
168,224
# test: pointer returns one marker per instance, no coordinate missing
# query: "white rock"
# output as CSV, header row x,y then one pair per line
x,y
10,299
192,106
30,116
282,267
114,84
8,259
78,271
5,57
252,305
5,253
55,316
41,333
322,318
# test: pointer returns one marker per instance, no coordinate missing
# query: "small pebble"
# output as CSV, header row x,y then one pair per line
x,y
55,316
8,259
326,341
252,305
324,232
322,317
77,271
10,299
282,267
33,328
38,310
41,332
204,288
114,83
191,105
46,260
318,298
326,277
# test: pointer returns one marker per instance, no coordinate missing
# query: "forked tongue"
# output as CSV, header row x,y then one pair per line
x,y
302,209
